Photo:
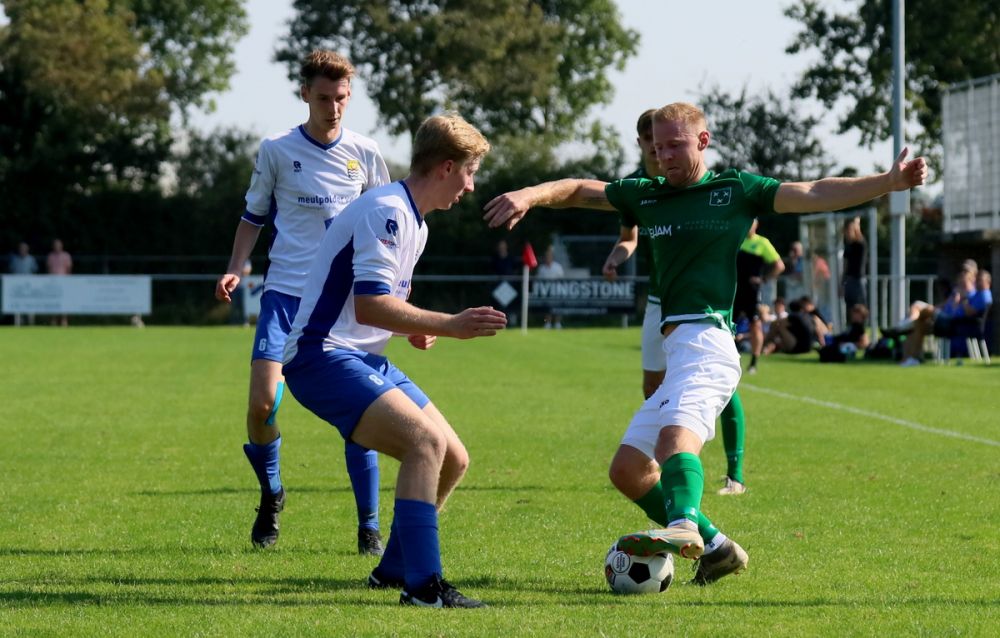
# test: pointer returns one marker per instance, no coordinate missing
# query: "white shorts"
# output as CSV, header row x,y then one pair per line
x,y
653,358
703,370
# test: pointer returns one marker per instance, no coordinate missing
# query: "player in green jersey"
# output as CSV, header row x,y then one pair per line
x,y
654,364
697,220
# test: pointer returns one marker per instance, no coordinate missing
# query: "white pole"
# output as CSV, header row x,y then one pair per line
x,y
899,202
524,299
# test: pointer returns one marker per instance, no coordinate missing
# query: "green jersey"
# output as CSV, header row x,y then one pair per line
x,y
695,233
643,249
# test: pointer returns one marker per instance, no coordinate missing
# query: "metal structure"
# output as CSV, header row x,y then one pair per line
x,y
822,243
971,129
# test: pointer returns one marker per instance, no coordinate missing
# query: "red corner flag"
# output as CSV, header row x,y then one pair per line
x,y
528,256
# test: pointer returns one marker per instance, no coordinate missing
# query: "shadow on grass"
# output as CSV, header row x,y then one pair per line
x,y
387,489
319,592
248,550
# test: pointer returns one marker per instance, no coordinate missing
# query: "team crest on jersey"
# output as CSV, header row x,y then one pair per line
x,y
391,227
354,169
297,166
720,197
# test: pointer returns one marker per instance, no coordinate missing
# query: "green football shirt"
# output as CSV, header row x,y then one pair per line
x,y
695,233
643,250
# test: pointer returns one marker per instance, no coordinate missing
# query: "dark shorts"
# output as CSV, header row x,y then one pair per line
x,y
747,303
339,385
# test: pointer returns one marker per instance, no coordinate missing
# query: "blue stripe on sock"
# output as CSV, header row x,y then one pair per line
x,y
279,391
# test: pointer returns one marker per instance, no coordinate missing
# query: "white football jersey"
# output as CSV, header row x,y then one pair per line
x,y
300,184
369,248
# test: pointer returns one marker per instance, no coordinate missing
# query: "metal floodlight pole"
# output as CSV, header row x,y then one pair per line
x,y
899,202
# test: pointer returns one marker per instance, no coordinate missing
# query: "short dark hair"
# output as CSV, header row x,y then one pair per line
x,y
328,64
645,123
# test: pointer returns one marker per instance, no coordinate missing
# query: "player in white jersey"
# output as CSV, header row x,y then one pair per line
x,y
301,180
355,300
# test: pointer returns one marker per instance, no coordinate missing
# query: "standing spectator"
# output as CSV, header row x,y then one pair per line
x,y
551,269
794,267
855,253
503,263
23,263
59,262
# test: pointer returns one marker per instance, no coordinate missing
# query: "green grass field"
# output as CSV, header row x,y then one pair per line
x,y
874,505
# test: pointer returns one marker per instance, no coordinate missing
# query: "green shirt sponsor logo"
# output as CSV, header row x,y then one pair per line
x,y
694,234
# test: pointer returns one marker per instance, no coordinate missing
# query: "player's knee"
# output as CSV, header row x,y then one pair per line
x,y
431,443
259,411
623,475
457,459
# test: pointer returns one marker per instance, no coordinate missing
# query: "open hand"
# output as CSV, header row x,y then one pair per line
x,y
484,321
507,209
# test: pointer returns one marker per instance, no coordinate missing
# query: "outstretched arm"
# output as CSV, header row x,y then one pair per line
x,y
389,313
835,193
508,209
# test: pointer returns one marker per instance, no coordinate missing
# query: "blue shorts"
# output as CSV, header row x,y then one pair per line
x,y
277,312
339,385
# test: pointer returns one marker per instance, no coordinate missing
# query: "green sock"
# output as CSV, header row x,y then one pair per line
x,y
652,503
683,483
706,528
733,434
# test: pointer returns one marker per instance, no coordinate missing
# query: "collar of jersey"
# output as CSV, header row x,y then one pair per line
x,y
413,205
325,147
707,177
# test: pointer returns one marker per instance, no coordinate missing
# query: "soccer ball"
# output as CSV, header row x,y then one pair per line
x,y
627,574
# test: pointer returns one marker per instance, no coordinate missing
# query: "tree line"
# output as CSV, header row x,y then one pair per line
x,y
96,98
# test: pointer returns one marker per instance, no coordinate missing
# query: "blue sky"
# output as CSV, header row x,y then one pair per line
x,y
745,48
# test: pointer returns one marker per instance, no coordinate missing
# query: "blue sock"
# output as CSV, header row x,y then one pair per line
x,y
417,526
265,463
391,566
362,467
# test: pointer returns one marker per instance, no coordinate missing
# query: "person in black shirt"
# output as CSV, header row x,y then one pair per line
x,y
855,251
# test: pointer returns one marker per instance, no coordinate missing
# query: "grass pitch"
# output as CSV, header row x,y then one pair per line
x,y
873,508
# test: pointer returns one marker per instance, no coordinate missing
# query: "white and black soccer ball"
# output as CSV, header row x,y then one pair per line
x,y
627,574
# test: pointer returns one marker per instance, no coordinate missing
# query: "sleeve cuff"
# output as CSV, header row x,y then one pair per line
x,y
371,288
253,218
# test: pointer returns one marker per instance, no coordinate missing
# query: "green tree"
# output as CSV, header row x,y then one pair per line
x,y
763,134
946,42
87,92
524,66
